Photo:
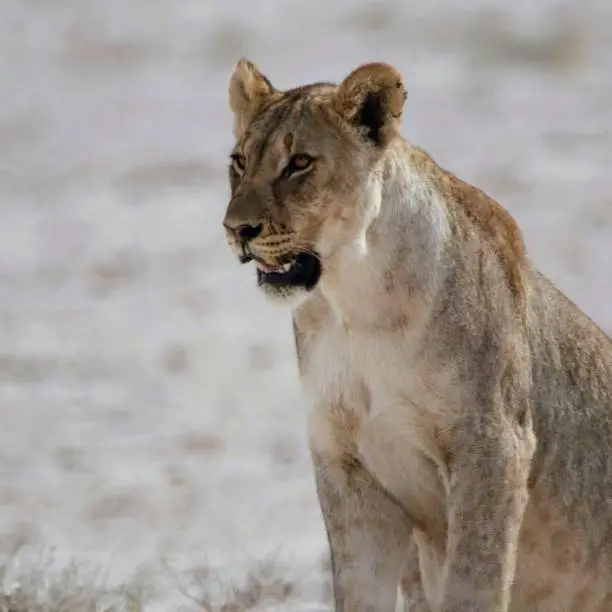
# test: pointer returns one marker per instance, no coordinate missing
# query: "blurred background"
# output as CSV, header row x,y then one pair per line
x,y
149,402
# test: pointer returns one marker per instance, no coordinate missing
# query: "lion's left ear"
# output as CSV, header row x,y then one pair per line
x,y
372,97
248,91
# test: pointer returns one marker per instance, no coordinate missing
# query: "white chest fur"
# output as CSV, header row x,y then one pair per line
x,y
379,386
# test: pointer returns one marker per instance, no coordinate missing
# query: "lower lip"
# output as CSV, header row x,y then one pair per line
x,y
271,278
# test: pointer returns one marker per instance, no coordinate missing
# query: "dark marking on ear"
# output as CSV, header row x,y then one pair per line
x,y
373,112
370,115
372,98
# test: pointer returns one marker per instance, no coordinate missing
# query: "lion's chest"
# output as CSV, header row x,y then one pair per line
x,y
378,385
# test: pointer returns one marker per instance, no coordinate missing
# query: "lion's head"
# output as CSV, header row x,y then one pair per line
x,y
305,172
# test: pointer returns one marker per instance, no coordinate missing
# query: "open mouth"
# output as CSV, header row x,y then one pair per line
x,y
301,270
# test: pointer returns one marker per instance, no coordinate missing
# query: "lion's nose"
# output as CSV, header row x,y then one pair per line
x,y
245,231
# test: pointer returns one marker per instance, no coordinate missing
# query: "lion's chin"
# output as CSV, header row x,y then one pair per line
x,y
296,276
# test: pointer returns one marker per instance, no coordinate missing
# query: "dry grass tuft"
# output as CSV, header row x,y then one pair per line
x,y
261,589
35,581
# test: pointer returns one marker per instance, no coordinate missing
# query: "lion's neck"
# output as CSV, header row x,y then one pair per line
x,y
388,274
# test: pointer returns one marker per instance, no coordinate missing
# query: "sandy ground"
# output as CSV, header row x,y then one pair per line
x,y
148,394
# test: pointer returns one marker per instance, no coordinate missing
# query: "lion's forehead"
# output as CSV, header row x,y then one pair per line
x,y
298,113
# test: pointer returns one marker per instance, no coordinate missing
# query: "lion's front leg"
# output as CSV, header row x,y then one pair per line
x,y
368,533
486,502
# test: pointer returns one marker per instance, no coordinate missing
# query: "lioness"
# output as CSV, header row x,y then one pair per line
x,y
461,424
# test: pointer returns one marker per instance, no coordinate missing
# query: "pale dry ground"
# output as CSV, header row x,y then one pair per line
x,y
148,395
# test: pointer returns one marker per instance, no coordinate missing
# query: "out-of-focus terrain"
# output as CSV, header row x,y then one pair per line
x,y
149,401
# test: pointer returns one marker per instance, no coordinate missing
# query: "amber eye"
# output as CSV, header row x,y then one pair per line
x,y
238,162
297,163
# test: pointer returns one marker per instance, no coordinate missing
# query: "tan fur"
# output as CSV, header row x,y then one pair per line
x,y
461,428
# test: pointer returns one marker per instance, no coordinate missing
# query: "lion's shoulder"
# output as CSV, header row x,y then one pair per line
x,y
477,220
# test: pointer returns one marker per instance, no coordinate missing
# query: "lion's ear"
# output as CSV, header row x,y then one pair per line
x,y
372,97
248,91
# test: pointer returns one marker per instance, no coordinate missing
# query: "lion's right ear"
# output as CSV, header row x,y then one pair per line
x,y
248,91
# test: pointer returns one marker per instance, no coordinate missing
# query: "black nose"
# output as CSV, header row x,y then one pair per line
x,y
248,232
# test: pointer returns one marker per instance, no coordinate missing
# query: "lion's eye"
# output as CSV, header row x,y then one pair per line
x,y
238,162
297,163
